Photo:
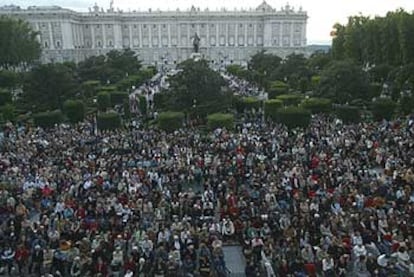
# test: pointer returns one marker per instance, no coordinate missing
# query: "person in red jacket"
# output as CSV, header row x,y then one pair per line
x,y
21,257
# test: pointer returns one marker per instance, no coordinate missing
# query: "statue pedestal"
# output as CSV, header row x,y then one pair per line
x,y
195,56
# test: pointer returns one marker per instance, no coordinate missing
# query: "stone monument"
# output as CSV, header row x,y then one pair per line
x,y
196,47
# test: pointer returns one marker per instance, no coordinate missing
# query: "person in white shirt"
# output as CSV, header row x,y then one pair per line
x,y
403,259
328,266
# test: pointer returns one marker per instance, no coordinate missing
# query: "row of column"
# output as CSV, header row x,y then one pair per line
x,y
188,36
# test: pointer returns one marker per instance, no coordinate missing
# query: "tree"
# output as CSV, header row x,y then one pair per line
x,y
263,67
318,61
263,62
74,110
343,81
383,108
113,67
18,43
197,88
9,79
47,86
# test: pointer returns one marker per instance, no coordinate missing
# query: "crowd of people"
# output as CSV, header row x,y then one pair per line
x,y
330,200
243,88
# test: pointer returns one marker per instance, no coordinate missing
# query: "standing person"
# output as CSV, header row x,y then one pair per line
x,y
76,267
36,265
7,257
22,257
328,266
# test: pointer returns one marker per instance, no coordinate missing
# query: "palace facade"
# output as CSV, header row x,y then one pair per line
x,y
166,37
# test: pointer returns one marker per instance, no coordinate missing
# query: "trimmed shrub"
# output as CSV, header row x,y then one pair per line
x,y
375,90
127,109
248,103
5,97
9,112
315,80
383,108
220,120
90,87
108,88
170,121
74,110
407,105
271,106
118,97
277,88
104,101
48,119
108,121
348,114
143,105
317,105
290,99
293,117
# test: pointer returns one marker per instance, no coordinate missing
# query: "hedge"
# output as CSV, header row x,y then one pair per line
x,y
8,112
277,88
220,120
170,121
90,87
48,119
108,121
108,88
248,103
383,108
348,114
104,101
118,97
293,117
407,105
143,105
290,99
317,105
74,110
271,106
5,97
127,109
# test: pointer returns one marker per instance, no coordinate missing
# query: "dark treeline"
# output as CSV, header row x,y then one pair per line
x,y
379,40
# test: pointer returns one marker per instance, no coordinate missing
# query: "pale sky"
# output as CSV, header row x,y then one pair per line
x,y
323,14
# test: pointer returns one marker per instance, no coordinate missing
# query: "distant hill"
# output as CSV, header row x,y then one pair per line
x,y
318,47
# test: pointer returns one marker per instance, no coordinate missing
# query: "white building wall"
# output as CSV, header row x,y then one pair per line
x,y
166,37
